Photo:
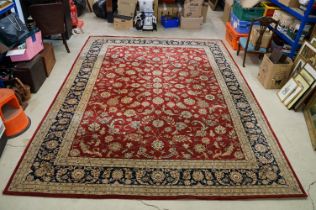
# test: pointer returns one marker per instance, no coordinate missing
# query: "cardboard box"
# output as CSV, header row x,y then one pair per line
x,y
192,8
123,22
227,10
204,11
126,2
126,10
48,57
126,7
164,9
191,22
274,76
266,38
290,3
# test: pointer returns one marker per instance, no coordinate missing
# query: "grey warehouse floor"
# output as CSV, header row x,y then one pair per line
x,y
289,127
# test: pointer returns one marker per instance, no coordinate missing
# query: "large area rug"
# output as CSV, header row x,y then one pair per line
x,y
154,119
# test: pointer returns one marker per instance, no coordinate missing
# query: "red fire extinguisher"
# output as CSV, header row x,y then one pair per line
x,y
73,13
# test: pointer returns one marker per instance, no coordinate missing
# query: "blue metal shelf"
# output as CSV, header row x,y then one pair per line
x,y
304,17
299,14
8,8
285,37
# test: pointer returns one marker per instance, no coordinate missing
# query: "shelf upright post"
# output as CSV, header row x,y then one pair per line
x,y
302,26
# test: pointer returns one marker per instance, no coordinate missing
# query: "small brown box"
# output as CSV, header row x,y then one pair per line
x,y
274,76
123,22
126,7
191,22
48,57
192,8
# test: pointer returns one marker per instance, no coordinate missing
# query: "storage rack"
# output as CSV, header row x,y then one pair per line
x,y
8,8
304,17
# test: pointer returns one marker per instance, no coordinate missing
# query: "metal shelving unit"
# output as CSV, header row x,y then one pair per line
x,y
9,7
304,17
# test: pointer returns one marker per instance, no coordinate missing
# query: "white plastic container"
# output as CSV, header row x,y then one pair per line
x,y
146,5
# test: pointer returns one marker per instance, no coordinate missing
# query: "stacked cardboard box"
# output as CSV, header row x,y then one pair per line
x,y
126,7
192,14
125,14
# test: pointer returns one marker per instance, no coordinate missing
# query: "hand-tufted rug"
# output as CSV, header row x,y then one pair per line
x,y
154,119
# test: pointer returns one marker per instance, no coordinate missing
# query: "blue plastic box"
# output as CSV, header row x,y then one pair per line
x,y
170,22
241,26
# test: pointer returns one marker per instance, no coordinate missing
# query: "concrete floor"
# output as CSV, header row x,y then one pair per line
x,y
289,126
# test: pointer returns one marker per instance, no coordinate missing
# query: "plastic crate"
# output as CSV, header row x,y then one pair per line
x,y
269,8
241,26
247,13
232,36
170,22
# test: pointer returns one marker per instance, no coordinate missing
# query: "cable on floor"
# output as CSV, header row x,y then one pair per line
x,y
308,189
150,205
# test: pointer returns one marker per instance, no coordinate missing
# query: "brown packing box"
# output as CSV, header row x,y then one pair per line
x,y
192,8
48,57
126,10
204,11
227,10
290,3
266,38
123,22
274,76
191,22
126,7
126,2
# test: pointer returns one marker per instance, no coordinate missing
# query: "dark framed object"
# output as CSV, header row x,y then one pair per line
x,y
310,118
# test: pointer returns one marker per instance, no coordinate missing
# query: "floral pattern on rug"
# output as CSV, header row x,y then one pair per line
x,y
155,118
156,103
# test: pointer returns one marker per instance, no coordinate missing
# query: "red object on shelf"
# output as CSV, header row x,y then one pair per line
x,y
232,36
73,13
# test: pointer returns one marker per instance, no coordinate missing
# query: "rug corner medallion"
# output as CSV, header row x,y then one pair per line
x,y
157,119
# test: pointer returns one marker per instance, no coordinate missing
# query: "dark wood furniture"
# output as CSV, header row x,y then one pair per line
x,y
25,4
49,18
264,24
